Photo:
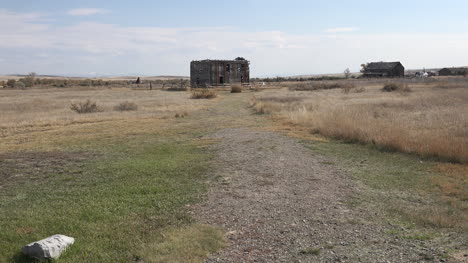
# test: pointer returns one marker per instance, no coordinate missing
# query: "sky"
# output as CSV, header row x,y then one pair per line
x,y
280,38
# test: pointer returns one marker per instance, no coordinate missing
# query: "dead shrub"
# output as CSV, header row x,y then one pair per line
x,y
11,83
85,107
20,85
204,94
400,87
181,115
236,89
126,106
177,88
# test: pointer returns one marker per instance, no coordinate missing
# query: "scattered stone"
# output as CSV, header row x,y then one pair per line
x,y
48,248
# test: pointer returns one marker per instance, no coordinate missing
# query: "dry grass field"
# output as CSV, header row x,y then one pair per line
x,y
35,108
119,179
428,119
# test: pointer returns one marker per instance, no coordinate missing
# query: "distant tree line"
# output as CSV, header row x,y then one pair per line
x,y
32,80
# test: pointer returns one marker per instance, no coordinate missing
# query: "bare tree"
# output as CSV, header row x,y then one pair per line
x,y
30,79
347,73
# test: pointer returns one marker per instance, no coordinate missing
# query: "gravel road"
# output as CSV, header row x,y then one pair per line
x,y
280,202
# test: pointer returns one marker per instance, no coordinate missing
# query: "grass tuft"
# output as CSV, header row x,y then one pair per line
x,y
126,106
85,107
236,89
177,88
187,244
204,94
400,87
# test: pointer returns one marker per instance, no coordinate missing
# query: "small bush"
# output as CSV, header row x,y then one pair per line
x,y
20,85
177,88
29,79
236,89
204,94
390,87
85,107
11,83
181,115
126,106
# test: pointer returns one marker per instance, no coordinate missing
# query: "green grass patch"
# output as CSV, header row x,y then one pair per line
x,y
187,244
420,237
401,184
114,207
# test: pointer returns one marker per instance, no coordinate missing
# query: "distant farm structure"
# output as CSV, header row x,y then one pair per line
x,y
453,72
206,73
383,69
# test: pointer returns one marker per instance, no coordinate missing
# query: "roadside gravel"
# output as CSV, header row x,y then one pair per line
x,y
280,202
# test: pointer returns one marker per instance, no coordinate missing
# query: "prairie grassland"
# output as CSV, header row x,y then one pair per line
x,y
430,120
34,108
120,182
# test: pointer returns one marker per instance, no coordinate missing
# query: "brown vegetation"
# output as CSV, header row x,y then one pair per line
x,y
204,94
126,106
236,89
35,108
430,122
177,88
319,85
87,106
389,87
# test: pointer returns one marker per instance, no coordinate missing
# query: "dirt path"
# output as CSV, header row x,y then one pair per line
x,y
280,202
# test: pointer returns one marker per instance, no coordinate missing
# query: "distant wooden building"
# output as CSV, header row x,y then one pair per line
x,y
453,72
204,73
384,69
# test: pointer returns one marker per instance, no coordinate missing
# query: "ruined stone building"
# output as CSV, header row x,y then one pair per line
x,y
384,69
205,73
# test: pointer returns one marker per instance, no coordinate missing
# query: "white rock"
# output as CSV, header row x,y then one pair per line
x,y
47,248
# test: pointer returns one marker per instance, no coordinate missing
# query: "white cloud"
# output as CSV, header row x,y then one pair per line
x,y
84,47
341,30
86,11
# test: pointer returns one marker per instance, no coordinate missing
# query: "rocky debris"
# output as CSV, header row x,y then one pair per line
x,y
48,248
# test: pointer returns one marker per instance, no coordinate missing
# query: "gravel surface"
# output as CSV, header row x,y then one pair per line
x,y
280,202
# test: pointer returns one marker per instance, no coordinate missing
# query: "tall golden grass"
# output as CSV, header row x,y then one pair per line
x,y
204,93
430,121
32,108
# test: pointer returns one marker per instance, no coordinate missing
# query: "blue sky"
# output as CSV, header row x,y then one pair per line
x,y
279,37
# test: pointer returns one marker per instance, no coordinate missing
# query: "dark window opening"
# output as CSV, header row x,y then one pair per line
x,y
228,68
221,80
